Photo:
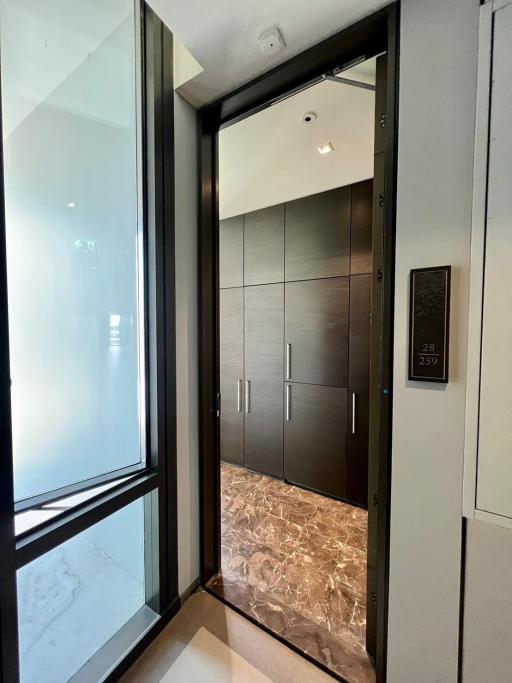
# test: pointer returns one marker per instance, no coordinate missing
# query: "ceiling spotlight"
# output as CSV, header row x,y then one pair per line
x,y
71,205
325,148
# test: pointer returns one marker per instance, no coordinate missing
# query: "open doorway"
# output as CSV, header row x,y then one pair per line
x,y
297,255
295,269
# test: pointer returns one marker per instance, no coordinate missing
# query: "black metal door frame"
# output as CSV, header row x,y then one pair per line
x,y
373,35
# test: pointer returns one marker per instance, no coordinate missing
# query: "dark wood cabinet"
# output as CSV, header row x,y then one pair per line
x,y
359,379
361,228
317,236
232,374
360,324
316,331
299,324
315,437
264,246
231,252
264,317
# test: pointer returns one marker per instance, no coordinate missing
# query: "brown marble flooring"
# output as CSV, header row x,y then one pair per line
x,y
296,562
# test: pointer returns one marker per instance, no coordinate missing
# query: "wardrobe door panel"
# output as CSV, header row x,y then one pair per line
x,y
264,246
361,228
317,235
360,324
231,252
315,437
316,331
264,321
231,375
359,382
357,466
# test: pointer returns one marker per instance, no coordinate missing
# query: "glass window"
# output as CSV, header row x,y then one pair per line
x,y
69,100
76,597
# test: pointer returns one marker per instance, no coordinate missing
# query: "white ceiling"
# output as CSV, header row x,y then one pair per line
x,y
222,35
272,157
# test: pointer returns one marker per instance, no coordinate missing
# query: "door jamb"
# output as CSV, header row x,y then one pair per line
x,y
367,38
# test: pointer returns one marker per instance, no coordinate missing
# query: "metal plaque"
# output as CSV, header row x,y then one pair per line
x,y
429,324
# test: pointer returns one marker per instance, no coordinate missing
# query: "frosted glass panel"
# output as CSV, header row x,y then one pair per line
x,y
73,244
72,600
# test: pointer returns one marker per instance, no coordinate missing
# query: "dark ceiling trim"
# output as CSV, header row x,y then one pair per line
x,y
307,66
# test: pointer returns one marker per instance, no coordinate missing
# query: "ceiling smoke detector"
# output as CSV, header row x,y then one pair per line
x,y
271,41
308,117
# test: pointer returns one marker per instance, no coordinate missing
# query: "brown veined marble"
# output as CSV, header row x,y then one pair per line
x,y
296,562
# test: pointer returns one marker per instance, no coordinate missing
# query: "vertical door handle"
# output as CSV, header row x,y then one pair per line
x,y
288,361
354,406
288,402
239,395
247,396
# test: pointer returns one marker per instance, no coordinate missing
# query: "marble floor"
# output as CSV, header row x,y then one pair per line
x,y
296,562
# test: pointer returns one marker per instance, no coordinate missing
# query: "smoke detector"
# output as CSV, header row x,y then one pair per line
x,y
308,117
271,41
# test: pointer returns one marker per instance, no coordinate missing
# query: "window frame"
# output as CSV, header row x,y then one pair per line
x,y
156,480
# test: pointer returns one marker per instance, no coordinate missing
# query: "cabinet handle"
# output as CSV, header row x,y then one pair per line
x,y
354,413
288,361
239,395
247,396
288,402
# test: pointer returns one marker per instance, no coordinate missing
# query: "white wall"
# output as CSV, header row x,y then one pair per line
x,y
488,600
186,342
435,161
487,644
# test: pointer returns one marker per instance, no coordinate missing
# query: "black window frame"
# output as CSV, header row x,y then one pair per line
x,y
156,482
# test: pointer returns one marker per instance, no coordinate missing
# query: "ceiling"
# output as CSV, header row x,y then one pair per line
x,y
284,160
223,35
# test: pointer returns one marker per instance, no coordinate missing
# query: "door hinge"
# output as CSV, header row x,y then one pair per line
x,y
382,120
380,275
218,405
381,199
375,501
373,598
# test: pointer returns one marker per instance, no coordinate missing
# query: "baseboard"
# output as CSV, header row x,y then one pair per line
x,y
191,589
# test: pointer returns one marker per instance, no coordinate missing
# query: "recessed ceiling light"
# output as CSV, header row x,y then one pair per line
x,y
71,205
325,148
309,117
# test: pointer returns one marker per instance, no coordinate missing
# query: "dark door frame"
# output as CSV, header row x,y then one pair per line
x,y
372,36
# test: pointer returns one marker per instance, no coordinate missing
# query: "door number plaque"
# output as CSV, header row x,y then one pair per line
x,y
429,324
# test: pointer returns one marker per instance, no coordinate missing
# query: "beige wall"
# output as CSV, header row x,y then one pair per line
x,y
186,342
435,163
488,600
